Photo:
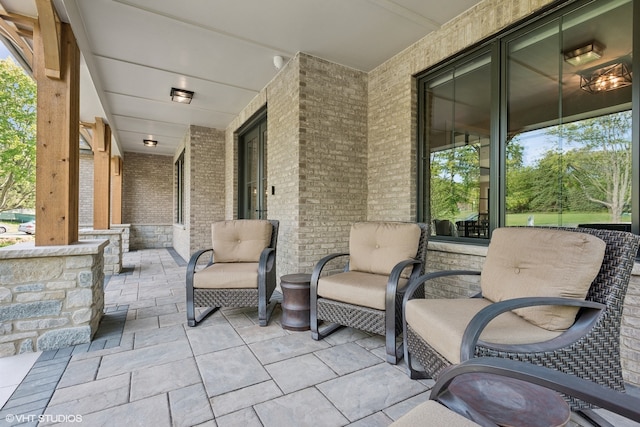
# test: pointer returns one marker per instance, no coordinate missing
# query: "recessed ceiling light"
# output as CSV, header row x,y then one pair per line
x,y
150,142
181,95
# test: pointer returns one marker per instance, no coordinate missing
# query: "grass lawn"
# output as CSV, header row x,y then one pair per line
x,y
570,219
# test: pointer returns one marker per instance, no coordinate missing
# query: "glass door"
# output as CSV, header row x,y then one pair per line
x,y
252,179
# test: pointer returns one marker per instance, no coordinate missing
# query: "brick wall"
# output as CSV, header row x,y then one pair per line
x,y
393,100
85,210
332,158
206,170
147,193
316,161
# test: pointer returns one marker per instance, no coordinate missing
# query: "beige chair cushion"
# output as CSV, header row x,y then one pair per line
x,y
529,262
376,247
442,322
240,240
356,287
432,413
227,276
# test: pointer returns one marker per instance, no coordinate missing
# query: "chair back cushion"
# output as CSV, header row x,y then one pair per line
x,y
376,247
240,240
536,262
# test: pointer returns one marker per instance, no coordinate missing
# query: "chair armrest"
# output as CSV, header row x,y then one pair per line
x,y
193,261
267,260
394,277
317,270
413,285
487,314
571,385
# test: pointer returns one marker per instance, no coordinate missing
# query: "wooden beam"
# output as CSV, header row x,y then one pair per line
x,y
12,34
57,135
27,21
86,135
49,26
116,190
101,175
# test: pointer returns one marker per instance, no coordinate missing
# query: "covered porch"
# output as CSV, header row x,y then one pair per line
x,y
146,366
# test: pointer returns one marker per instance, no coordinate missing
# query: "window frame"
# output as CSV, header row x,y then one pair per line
x,y
498,44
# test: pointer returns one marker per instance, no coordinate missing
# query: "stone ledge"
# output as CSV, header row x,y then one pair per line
x,y
29,250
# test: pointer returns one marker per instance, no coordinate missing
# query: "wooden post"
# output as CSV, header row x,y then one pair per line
x,y
101,175
57,149
116,190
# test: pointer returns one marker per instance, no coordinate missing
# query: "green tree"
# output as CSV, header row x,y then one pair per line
x,y
17,137
454,180
600,163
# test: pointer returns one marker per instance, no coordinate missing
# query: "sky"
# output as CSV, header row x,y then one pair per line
x,y
3,51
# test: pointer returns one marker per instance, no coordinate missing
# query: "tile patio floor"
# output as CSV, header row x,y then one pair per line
x,y
146,367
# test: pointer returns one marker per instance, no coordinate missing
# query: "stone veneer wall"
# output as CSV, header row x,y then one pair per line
x,y
149,236
113,250
50,296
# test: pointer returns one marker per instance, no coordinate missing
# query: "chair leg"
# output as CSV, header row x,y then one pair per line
x,y
264,313
191,317
319,334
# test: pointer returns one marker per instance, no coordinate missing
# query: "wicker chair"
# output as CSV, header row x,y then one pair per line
x,y
446,405
240,271
367,295
589,347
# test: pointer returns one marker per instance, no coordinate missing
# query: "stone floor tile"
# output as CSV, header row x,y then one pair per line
x,y
79,372
370,390
153,411
371,342
231,369
245,418
379,419
286,347
138,325
217,337
347,358
307,407
399,409
189,406
299,372
160,335
90,397
129,361
255,333
245,397
345,335
239,320
159,379
172,319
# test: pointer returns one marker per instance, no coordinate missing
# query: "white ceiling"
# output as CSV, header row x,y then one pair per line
x,y
135,50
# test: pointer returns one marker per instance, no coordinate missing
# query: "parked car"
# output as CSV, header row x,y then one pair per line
x,y
28,227
3,229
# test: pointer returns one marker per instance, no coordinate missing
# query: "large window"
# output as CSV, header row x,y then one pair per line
x,y
179,188
535,128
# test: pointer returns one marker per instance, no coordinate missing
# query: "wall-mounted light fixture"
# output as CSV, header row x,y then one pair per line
x,y
149,142
584,54
613,76
181,95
